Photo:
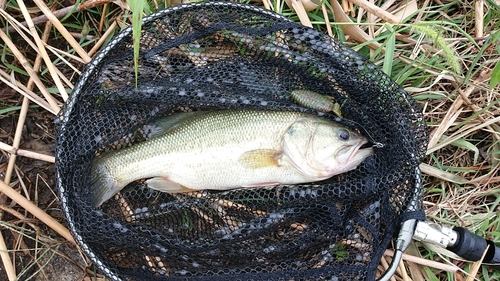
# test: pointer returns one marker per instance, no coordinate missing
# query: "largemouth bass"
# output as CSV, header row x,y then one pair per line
x,y
221,150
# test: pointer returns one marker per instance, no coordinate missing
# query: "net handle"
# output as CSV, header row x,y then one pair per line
x,y
406,230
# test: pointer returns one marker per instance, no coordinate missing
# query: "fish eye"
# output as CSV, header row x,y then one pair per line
x,y
344,135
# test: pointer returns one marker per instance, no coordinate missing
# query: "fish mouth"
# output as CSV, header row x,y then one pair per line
x,y
365,145
359,150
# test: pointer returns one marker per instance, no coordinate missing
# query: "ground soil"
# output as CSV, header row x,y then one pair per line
x,y
44,255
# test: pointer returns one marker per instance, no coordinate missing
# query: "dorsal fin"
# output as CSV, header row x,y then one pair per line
x,y
167,123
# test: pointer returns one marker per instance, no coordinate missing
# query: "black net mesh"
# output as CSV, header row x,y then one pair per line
x,y
216,55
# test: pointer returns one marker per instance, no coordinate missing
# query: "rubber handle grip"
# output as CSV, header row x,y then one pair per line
x,y
472,247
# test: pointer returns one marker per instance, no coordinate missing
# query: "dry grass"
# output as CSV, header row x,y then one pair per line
x,y
444,53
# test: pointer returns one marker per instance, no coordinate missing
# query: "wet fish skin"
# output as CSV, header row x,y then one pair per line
x,y
229,149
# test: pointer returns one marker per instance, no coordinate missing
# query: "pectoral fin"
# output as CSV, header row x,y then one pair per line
x,y
260,158
165,185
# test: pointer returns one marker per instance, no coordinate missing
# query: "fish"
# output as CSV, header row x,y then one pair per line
x,y
228,149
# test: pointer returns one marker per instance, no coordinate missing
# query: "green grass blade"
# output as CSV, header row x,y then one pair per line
x,y
14,108
138,7
495,76
389,50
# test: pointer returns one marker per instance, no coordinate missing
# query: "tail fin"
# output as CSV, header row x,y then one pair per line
x,y
102,184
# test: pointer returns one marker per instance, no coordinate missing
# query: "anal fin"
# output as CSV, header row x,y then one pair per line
x,y
165,185
263,184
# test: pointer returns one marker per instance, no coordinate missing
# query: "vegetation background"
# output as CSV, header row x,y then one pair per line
x,y
444,52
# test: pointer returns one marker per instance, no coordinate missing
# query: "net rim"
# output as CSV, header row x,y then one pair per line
x,y
66,113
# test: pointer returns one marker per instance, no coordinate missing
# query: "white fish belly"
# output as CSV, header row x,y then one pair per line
x,y
224,170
